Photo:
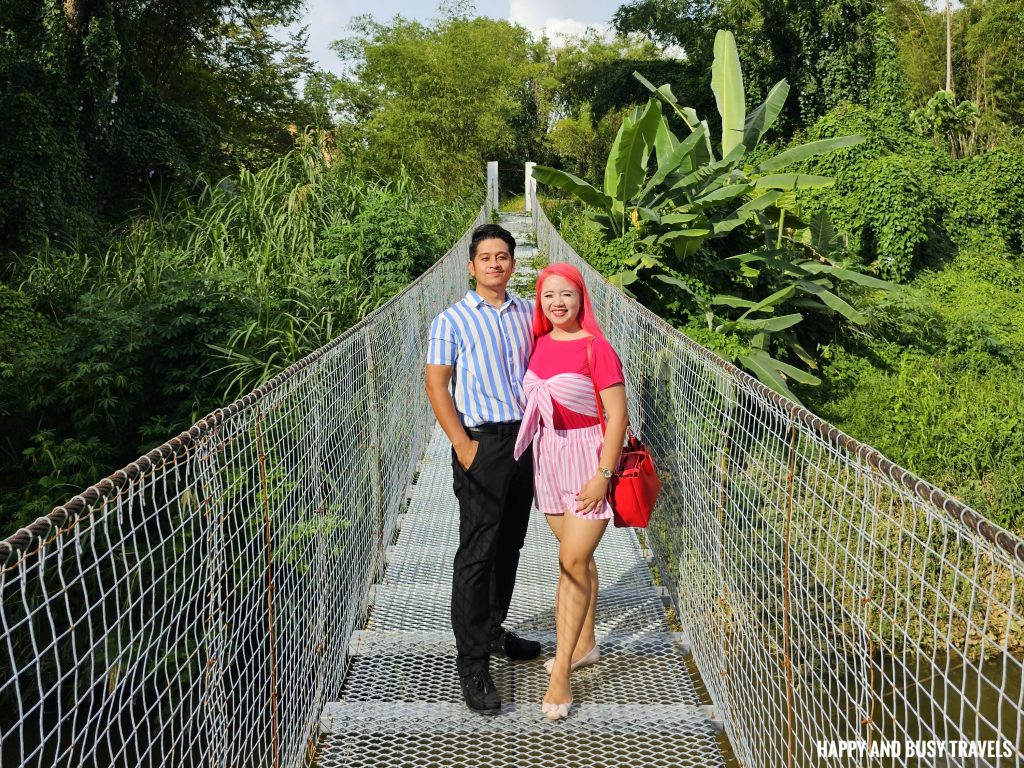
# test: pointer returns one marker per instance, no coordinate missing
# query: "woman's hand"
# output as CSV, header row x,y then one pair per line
x,y
592,494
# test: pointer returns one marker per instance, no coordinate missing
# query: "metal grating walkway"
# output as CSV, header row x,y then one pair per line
x,y
401,704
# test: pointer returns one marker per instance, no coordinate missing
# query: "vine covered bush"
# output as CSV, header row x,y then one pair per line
x,y
108,351
984,200
892,209
886,196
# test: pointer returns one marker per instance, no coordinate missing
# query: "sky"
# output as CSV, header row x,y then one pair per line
x,y
328,20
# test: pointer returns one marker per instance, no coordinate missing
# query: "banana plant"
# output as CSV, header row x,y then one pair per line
x,y
624,173
690,196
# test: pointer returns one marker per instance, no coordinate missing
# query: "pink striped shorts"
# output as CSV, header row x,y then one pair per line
x,y
563,461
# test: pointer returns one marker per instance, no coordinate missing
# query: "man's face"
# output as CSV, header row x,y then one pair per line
x,y
493,264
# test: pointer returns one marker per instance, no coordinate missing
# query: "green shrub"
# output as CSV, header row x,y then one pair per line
x,y
107,352
961,429
984,199
892,209
885,195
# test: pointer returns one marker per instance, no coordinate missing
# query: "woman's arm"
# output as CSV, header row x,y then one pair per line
x,y
614,400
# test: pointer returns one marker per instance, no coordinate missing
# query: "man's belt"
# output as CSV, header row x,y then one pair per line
x,y
495,429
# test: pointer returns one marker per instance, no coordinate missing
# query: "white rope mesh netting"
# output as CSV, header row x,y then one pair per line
x,y
828,595
195,607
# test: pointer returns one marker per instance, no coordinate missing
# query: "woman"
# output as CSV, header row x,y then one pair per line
x,y
573,460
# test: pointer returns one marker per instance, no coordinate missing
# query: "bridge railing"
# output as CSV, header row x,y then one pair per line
x,y
833,601
194,608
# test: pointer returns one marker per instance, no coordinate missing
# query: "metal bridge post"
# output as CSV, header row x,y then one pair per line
x,y
261,452
530,187
492,185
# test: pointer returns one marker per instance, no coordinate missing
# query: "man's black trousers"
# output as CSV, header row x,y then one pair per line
x,y
495,495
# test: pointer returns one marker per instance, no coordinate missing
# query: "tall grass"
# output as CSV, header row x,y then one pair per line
x,y
197,299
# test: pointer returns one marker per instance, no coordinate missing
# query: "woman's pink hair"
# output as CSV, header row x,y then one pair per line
x,y
586,318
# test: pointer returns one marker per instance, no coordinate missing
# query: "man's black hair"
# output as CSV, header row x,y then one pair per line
x,y
487,232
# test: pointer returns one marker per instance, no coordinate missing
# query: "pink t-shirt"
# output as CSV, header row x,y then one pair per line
x,y
552,356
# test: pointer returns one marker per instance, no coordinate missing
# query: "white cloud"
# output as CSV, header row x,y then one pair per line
x,y
550,18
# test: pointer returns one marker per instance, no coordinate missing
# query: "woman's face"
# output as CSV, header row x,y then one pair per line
x,y
560,303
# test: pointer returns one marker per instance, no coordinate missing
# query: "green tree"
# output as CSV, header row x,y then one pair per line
x,y
442,99
988,62
827,50
101,100
588,88
724,229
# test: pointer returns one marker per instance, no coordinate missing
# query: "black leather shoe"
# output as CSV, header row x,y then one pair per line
x,y
515,647
479,692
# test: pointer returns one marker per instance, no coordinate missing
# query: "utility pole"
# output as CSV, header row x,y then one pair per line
x,y
949,45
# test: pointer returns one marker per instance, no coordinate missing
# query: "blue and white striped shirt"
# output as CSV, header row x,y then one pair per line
x,y
490,348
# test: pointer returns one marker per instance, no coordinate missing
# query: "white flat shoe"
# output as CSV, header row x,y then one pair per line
x,y
590,657
555,711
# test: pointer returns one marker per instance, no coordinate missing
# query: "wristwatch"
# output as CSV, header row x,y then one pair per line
x,y
605,473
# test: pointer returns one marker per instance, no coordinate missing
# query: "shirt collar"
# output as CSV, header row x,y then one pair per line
x,y
475,300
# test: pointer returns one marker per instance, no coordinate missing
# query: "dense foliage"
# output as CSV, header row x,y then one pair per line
x,y
702,204
101,100
107,352
163,246
441,99
827,50
933,199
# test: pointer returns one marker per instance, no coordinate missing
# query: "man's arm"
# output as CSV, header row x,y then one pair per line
x,y
438,379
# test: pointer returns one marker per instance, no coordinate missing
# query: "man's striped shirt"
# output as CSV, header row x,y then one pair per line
x,y
490,348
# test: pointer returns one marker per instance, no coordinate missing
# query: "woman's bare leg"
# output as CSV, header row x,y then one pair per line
x,y
579,538
588,635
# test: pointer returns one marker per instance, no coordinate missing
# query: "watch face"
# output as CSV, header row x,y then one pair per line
x,y
607,473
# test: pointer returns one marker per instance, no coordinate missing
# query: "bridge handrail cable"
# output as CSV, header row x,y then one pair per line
x,y
828,595
195,607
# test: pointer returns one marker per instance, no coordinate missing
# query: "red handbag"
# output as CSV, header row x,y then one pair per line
x,y
634,487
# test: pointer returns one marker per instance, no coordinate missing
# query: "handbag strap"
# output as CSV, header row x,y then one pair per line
x,y
597,395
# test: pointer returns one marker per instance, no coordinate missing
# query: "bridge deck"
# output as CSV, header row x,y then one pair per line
x,y
401,704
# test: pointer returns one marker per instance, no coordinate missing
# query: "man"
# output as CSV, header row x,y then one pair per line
x,y
485,340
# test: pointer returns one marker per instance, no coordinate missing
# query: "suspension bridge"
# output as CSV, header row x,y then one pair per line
x,y
270,587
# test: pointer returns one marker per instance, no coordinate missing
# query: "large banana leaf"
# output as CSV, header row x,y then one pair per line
x,y
772,373
727,84
687,114
762,365
675,234
574,186
682,157
764,116
772,324
832,301
768,303
745,211
817,268
793,181
721,194
696,181
664,93
679,218
804,151
665,143
795,373
773,258
627,162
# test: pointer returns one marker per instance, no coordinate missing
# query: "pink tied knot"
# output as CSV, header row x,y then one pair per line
x,y
571,390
